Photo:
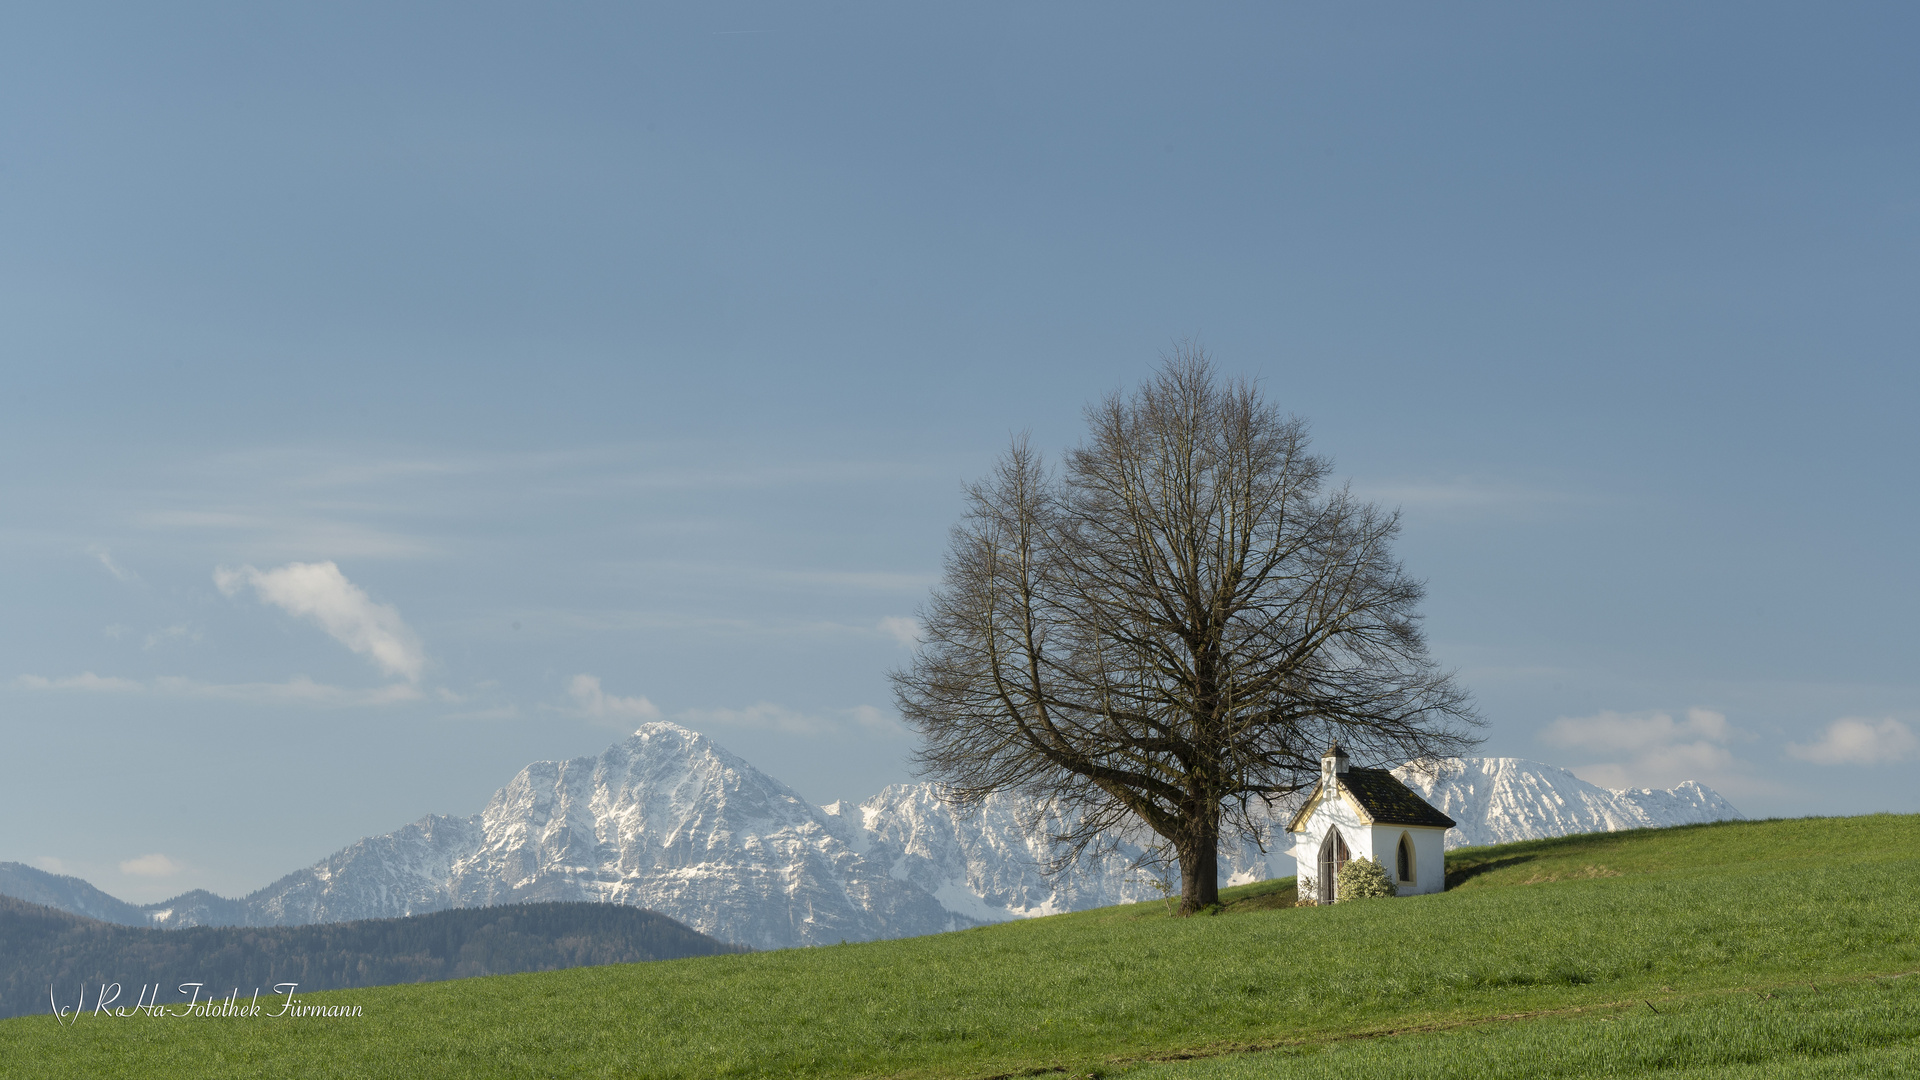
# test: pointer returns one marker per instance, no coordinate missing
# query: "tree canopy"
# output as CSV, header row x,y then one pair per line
x,y
1167,630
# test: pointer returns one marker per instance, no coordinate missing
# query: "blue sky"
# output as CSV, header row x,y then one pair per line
x,y
391,396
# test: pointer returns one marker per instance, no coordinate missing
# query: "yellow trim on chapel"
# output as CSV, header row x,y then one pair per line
x,y
1313,801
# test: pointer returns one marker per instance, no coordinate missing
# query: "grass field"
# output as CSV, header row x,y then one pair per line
x,y
1863,1028
1624,952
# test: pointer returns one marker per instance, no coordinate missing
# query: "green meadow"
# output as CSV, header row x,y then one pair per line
x,y
1758,949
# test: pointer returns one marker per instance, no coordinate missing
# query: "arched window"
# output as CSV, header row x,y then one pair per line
x,y
1406,858
1333,856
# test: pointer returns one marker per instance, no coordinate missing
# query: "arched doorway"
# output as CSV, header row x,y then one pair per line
x,y
1333,856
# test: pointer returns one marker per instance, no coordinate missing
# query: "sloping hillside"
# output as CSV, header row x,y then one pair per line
x,y
1586,926
65,893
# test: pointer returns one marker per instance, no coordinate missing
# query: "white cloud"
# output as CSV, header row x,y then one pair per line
x,y
1648,748
834,580
299,690
592,701
759,716
56,866
181,632
86,680
904,630
874,720
553,621
120,573
1611,731
274,536
879,580
319,591
1458,494
767,716
155,865
1854,741
500,712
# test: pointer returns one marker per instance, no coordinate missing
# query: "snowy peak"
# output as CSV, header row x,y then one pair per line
x,y
669,820
1499,800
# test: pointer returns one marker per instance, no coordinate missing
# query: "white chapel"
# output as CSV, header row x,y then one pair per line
x,y
1355,813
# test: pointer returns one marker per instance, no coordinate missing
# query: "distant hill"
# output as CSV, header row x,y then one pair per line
x,y
69,894
42,946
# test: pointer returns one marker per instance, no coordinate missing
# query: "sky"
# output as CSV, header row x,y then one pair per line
x,y
392,395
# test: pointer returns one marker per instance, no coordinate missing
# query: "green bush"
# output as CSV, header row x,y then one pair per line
x,y
1361,879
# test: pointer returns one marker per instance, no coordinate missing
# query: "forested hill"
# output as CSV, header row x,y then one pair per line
x,y
41,946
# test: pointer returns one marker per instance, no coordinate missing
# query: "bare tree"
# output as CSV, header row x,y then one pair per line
x,y
1170,630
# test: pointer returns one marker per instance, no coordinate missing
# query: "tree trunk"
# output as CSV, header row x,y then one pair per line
x,y
1200,863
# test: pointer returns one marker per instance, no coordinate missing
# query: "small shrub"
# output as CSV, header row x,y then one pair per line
x,y
1307,893
1363,879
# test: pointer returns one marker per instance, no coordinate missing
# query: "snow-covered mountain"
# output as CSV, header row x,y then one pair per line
x,y
665,820
1497,800
670,821
987,866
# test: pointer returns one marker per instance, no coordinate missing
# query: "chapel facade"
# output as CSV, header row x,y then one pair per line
x,y
1355,813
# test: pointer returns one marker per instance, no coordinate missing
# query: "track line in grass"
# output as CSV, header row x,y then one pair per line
x,y
1468,1023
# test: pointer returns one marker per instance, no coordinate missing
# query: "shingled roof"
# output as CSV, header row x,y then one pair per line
x,y
1386,800
1389,802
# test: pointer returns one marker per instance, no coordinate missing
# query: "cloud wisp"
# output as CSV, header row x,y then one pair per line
x,y
1648,748
767,716
178,633
1855,741
155,865
589,699
299,690
592,701
276,534
902,629
321,593
120,573
1460,494
822,580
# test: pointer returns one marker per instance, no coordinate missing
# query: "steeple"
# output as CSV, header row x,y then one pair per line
x,y
1332,763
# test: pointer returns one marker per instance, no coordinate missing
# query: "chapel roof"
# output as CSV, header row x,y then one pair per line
x,y
1389,802
1383,798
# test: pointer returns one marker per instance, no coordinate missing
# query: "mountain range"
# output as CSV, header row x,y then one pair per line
x,y
670,821
1500,800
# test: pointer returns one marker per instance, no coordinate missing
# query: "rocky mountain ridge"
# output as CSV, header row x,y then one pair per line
x,y
670,821
1499,800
